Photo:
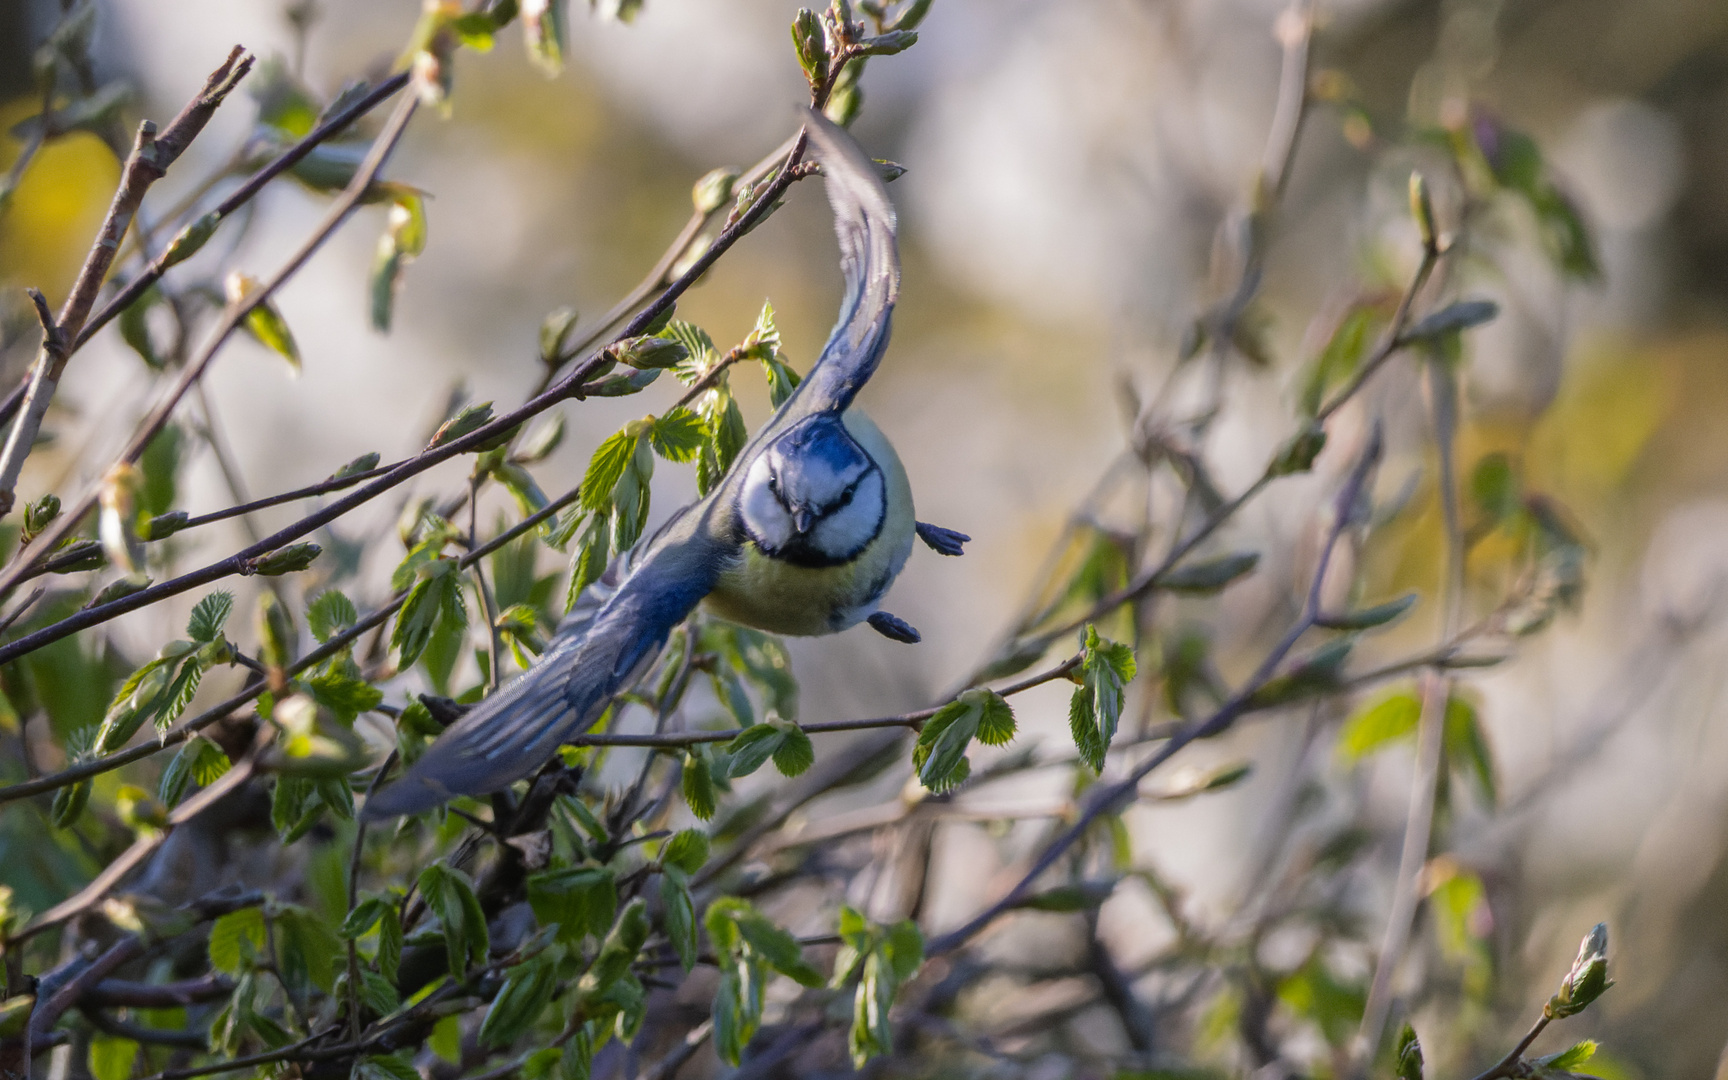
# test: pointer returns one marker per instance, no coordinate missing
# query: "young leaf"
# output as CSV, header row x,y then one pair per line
x,y
263,321
451,898
1210,576
1096,707
678,435
606,467
525,993
700,792
111,1057
235,939
330,614
199,761
679,913
1408,1058
795,753
687,850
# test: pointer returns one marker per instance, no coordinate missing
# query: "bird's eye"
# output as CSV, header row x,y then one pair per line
x,y
846,496
774,484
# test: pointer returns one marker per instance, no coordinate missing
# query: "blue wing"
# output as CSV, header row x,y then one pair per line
x,y
513,732
609,640
869,259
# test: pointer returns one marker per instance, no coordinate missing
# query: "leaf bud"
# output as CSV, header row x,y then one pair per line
x,y
1422,209
1297,455
163,526
285,560
555,334
469,420
188,240
713,191
1586,981
646,352
39,515
810,43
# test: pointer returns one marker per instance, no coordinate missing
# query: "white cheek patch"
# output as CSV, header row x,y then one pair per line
x,y
845,532
764,518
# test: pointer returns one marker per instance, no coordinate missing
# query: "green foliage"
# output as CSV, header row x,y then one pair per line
x,y
940,755
1106,668
749,948
450,897
880,959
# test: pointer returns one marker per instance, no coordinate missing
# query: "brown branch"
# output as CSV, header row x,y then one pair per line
x,y
148,162
241,562
1109,799
85,770
229,321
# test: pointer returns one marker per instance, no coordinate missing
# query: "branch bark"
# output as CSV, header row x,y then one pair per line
x,y
148,162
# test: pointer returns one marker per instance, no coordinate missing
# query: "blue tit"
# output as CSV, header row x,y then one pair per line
x,y
803,535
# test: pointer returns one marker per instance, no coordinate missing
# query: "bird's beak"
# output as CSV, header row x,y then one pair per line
x,y
801,520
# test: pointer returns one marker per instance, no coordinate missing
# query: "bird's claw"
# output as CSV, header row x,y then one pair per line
x,y
942,541
892,626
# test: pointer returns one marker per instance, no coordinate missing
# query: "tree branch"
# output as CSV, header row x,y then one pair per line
x,y
148,162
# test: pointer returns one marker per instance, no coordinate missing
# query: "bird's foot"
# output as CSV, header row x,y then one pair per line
x,y
892,626
942,541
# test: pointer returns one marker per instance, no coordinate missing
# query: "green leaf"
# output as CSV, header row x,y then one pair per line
x,y
996,725
1386,721
451,898
236,939
678,435
589,560
270,329
753,747
679,913
188,240
1570,1058
795,753
555,332
617,952
940,754
1467,746
543,438
1370,617
112,1057
389,944
330,614
446,1040
386,1067
525,993
198,761
362,464
1210,576
345,695
687,850
1096,707
364,917
1408,1057
606,467
1342,355
582,901
135,328
1494,488
700,792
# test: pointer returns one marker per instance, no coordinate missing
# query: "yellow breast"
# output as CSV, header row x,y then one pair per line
x,y
782,598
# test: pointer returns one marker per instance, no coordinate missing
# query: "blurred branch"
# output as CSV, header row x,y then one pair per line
x,y
1431,724
148,162
1112,797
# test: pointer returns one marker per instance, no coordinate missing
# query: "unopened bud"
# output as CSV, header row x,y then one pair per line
x,y
713,191
647,352
1422,209
39,515
286,560
1586,981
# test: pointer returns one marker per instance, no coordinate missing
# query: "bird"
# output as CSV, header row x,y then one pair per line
x,y
803,536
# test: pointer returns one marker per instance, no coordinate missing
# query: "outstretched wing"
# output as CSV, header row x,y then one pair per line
x,y
870,260
510,734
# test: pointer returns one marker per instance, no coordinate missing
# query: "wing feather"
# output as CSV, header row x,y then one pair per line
x,y
510,734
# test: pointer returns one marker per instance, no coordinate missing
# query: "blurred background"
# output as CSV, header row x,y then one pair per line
x,y
1068,167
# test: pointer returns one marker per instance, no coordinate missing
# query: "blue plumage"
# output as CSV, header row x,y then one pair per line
x,y
827,472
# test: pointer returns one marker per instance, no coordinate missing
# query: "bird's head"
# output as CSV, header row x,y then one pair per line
x,y
813,496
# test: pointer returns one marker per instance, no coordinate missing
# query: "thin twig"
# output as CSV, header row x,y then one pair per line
x,y
230,320
148,162
1430,731
85,770
1110,798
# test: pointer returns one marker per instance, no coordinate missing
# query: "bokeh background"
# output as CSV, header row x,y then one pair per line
x,y
1069,164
